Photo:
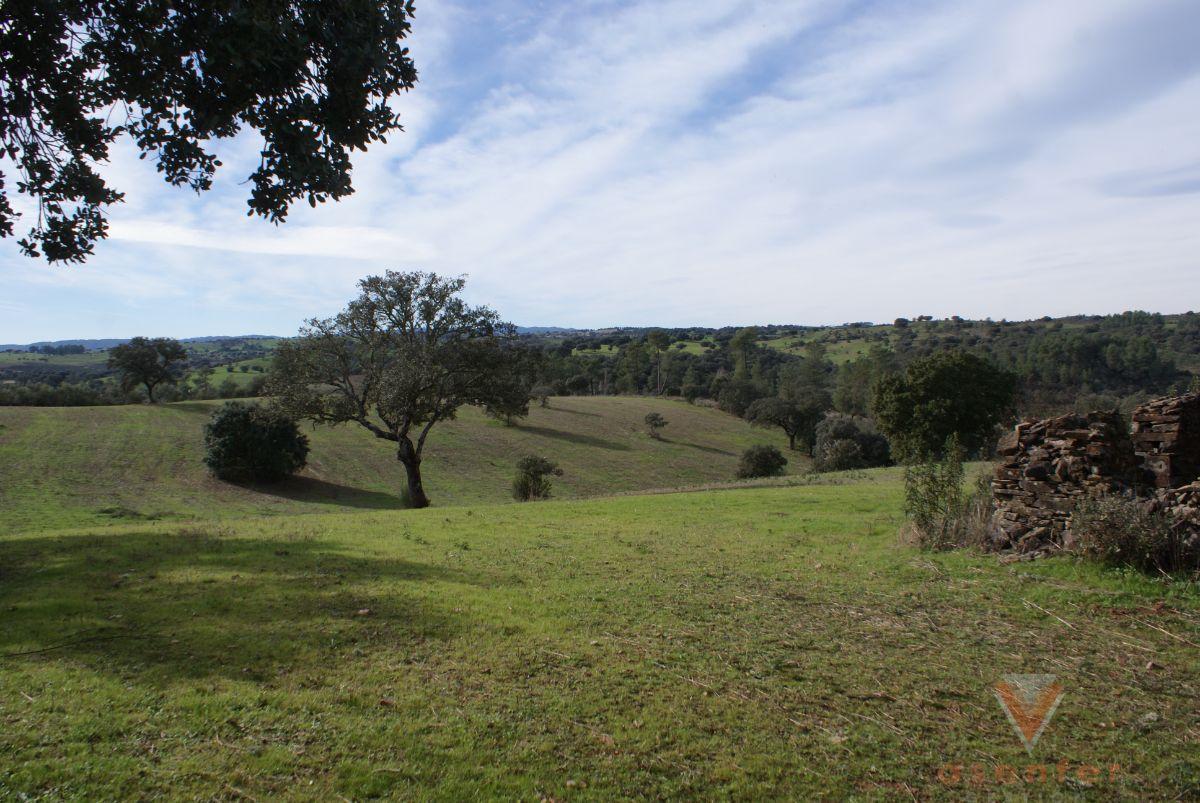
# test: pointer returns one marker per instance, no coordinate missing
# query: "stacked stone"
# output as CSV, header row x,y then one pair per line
x,y
1166,437
1046,467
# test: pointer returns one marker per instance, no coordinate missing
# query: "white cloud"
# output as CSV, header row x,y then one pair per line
x,y
715,162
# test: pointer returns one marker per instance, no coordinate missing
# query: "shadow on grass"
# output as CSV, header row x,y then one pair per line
x,y
311,489
572,412
575,437
698,447
196,603
205,407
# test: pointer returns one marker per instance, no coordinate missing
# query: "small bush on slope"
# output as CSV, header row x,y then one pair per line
x,y
761,461
248,443
533,478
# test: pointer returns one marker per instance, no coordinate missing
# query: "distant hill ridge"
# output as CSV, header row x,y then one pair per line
x,y
99,344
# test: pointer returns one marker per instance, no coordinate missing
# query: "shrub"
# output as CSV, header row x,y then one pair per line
x,y
761,461
655,422
834,436
533,478
941,515
542,393
841,454
1120,531
248,443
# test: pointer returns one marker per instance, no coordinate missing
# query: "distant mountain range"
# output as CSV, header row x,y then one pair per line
x,y
100,344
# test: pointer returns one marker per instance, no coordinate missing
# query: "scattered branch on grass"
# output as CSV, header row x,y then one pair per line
x,y
1048,613
1168,632
65,644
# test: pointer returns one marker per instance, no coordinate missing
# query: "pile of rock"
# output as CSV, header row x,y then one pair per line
x,y
1046,467
1166,437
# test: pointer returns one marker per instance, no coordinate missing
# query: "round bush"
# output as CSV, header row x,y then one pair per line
x,y
845,442
842,454
248,443
761,461
533,478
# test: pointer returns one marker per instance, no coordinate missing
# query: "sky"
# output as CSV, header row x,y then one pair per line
x,y
705,162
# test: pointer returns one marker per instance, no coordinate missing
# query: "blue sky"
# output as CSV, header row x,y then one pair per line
x,y
709,162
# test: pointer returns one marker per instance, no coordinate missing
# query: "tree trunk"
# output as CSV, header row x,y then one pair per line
x,y
412,468
792,441
150,392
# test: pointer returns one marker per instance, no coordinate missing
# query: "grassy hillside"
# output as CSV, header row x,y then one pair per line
x,y
746,644
63,467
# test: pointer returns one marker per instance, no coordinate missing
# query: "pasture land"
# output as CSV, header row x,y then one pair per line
x,y
68,467
773,643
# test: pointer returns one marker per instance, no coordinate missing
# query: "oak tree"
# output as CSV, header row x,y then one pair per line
x,y
313,78
402,357
147,362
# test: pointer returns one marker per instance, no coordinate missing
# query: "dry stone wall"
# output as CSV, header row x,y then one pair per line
x,y
1166,438
1046,467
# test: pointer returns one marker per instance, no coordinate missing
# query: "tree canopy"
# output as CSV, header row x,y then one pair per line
x,y
795,418
314,78
404,355
951,393
147,362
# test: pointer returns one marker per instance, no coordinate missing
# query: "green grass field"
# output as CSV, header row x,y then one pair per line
x,y
163,634
69,467
747,644
72,360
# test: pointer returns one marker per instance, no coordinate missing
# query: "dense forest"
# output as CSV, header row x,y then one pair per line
x,y
1096,361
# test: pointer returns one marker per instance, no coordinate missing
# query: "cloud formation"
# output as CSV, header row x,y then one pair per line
x,y
703,162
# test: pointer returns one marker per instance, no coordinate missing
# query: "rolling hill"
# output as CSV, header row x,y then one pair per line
x,y
67,467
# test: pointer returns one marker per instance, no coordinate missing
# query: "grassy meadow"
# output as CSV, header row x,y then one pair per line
x,y
769,643
168,635
68,467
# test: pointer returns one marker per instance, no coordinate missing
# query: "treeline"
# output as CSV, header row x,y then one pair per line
x,y
1059,364
1109,361
66,394
58,351
91,394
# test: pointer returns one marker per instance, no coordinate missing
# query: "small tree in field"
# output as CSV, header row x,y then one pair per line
x,y
404,355
795,418
542,393
148,362
533,478
654,424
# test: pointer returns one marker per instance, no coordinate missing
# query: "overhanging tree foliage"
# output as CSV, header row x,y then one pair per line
x,y
404,355
312,77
